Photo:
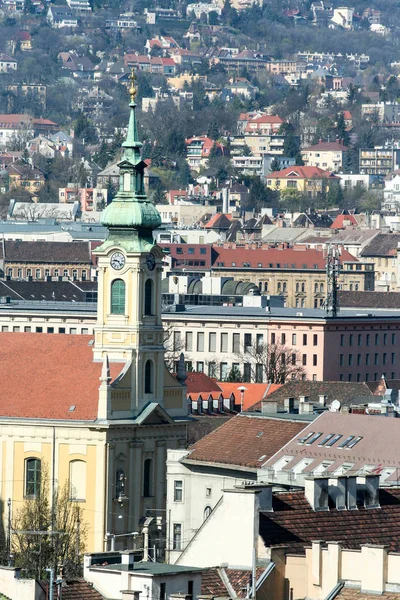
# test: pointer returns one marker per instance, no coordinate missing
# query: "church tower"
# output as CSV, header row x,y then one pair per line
x,y
129,328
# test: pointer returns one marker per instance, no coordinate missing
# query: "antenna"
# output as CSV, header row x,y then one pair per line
x,y
332,273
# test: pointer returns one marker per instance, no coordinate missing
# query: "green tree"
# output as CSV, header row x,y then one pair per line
x,y
158,195
274,165
234,375
213,131
341,131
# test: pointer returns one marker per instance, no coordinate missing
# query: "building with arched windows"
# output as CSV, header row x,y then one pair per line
x,y
99,413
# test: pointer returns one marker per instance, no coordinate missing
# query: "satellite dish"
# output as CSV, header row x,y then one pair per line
x,y
335,406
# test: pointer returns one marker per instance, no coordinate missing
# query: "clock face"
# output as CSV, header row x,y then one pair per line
x,y
150,261
117,261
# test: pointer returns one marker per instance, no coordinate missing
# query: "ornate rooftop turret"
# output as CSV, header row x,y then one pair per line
x,y
131,217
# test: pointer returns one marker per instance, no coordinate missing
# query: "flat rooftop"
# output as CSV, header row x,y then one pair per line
x,y
148,568
212,313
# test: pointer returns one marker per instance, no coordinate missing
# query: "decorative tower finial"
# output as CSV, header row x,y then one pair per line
x,y
131,217
132,89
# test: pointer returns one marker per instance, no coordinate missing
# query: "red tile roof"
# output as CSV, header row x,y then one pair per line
x,y
344,220
350,593
245,440
197,383
43,375
297,257
294,524
254,392
212,582
219,220
302,173
77,590
336,146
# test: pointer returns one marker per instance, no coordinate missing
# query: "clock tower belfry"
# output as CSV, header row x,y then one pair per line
x,y
129,327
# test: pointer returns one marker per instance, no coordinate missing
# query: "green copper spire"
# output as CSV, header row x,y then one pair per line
x,y
131,217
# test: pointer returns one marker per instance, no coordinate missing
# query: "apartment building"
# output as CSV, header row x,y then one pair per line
x,y
215,339
327,155
378,160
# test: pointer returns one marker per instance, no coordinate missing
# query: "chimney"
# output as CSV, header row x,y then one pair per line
x,y
289,404
264,496
338,492
316,492
269,407
371,495
127,558
130,595
322,399
305,406
351,493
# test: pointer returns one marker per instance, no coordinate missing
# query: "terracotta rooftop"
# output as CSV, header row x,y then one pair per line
x,y
46,252
350,593
212,581
302,173
294,524
196,383
298,257
245,441
78,590
344,220
45,375
254,391
336,146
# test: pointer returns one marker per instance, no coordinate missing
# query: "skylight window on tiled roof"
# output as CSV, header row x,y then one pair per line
x,y
346,441
354,442
313,438
326,439
303,439
333,440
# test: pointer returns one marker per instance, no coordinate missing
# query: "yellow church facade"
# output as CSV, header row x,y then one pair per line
x,y
99,414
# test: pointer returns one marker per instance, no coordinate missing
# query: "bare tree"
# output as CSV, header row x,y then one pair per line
x,y
173,344
275,363
47,532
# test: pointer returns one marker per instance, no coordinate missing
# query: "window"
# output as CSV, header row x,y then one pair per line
x,y
200,341
367,360
304,339
224,371
163,594
315,359
367,339
148,377
376,339
212,342
333,440
246,371
304,360
33,468
236,343
385,339
259,373
341,360
208,492
212,369
315,339
178,490
393,338
359,339
148,297
203,251
189,341
247,342
118,297
342,339
37,273
393,360
259,341
74,274
376,359
350,360
147,478
351,339
207,512
200,367
77,480
177,537
272,338
358,360
294,339
283,338
224,342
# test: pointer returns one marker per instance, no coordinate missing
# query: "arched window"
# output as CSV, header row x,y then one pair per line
x,y
279,286
118,297
303,286
148,297
207,512
77,480
266,286
297,287
33,469
316,287
284,286
321,288
147,478
148,377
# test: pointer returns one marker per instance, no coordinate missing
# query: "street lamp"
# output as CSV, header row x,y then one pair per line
x,y
242,390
